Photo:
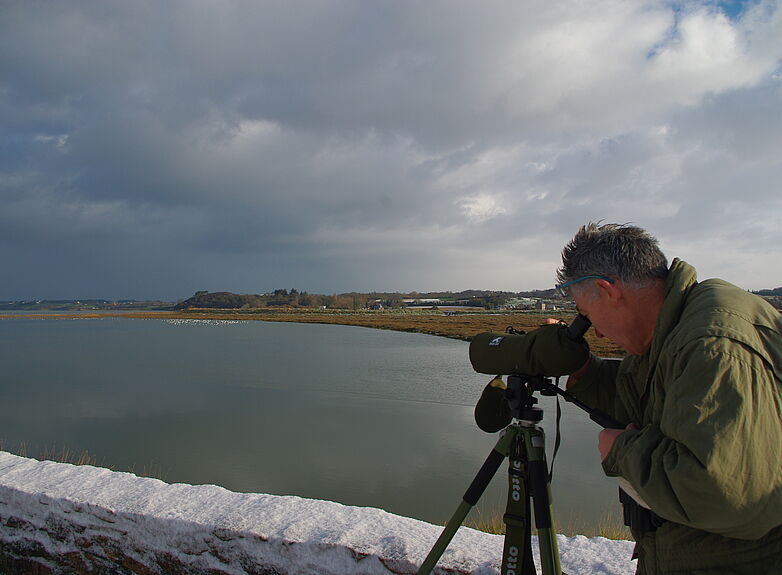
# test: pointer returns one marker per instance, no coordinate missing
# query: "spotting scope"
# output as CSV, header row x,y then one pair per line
x,y
551,350
529,360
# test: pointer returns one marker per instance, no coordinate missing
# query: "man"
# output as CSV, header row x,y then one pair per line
x,y
701,394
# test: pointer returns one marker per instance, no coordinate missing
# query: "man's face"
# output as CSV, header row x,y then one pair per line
x,y
610,317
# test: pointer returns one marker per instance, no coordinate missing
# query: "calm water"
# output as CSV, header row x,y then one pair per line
x,y
360,416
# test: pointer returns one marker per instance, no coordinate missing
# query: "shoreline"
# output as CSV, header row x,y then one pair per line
x,y
459,325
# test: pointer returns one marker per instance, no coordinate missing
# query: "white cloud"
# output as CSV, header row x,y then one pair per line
x,y
706,54
481,208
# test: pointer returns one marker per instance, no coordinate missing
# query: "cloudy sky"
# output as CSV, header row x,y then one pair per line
x,y
150,149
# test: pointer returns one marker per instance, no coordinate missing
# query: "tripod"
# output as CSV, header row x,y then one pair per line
x,y
524,444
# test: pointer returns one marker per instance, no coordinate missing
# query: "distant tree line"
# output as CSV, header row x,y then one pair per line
x,y
277,298
354,300
769,292
772,296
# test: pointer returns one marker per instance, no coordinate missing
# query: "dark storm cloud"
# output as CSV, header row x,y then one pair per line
x,y
151,149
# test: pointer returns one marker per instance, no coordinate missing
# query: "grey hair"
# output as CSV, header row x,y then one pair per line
x,y
618,251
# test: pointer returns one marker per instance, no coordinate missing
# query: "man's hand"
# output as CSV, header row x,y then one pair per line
x,y
606,438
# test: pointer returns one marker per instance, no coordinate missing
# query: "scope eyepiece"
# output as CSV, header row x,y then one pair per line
x,y
578,327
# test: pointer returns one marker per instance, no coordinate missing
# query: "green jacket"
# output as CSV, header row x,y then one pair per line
x,y
707,399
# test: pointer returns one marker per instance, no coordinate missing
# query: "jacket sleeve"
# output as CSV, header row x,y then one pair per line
x,y
597,387
713,462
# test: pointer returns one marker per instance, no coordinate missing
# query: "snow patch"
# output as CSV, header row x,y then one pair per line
x,y
72,519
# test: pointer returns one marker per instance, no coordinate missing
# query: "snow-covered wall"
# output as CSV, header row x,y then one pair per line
x,y
61,518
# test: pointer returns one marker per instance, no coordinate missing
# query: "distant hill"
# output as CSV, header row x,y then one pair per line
x,y
83,305
769,292
222,300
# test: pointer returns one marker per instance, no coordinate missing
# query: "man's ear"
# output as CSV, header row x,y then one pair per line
x,y
611,290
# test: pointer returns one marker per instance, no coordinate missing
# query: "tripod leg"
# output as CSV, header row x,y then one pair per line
x,y
541,496
517,550
470,498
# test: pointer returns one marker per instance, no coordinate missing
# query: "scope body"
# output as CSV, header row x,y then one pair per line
x,y
551,350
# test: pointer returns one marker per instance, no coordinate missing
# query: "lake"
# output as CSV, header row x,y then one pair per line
x,y
355,415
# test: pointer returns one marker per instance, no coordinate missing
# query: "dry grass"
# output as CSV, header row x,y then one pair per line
x,y
608,526
66,455
59,455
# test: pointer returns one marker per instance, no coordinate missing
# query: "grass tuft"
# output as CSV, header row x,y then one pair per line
x,y
66,455
609,525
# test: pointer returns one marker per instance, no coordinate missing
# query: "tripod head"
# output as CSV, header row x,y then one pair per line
x,y
498,406
521,399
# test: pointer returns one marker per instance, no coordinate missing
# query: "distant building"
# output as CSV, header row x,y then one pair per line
x,y
521,303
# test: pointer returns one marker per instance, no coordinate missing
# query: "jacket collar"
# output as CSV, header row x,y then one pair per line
x,y
682,277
